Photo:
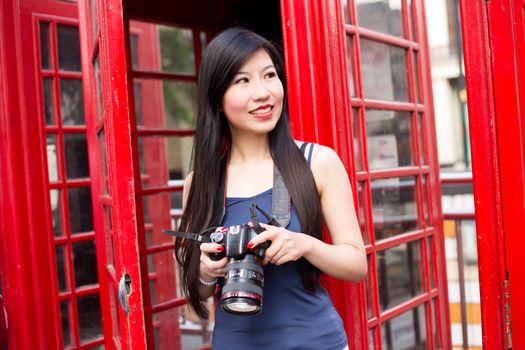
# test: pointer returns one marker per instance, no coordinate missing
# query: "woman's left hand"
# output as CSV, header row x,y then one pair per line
x,y
286,245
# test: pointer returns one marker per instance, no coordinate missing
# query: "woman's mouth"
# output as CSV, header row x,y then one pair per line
x,y
263,112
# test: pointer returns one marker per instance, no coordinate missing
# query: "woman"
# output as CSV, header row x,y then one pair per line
x,y
242,119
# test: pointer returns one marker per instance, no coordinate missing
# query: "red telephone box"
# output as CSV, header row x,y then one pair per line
x,y
358,81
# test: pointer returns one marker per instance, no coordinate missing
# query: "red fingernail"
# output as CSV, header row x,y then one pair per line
x,y
220,248
250,245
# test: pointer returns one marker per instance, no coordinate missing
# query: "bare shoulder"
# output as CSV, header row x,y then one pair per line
x,y
327,167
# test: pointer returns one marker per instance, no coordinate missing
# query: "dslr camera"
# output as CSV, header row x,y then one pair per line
x,y
242,292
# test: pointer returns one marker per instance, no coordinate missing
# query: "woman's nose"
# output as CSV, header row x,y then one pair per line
x,y
260,90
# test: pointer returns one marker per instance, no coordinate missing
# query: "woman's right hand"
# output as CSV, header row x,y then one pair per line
x,y
210,269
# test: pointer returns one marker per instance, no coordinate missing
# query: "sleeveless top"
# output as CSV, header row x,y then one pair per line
x,y
291,316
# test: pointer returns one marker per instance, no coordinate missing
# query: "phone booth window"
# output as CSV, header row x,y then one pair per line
x,y
389,123
164,76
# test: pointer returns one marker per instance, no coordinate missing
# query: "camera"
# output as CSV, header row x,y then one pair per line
x,y
242,292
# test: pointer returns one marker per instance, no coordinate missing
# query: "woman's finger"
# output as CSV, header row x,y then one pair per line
x,y
211,248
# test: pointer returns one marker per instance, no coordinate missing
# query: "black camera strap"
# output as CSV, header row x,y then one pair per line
x,y
202,237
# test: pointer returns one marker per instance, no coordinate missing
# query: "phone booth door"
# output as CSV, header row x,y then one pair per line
x,y
494,56
111,158
141,93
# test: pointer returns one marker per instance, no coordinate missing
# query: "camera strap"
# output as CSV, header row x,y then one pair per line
x,y
199,237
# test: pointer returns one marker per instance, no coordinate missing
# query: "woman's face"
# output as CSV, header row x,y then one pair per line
x,y
254,100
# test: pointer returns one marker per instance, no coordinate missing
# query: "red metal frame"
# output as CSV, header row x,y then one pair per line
x,y
494,85
31,274
313,95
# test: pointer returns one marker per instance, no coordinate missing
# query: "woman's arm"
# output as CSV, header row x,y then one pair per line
x,y
345,258
209,270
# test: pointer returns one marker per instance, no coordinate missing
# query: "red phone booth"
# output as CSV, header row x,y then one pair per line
x,y
362,117
99,273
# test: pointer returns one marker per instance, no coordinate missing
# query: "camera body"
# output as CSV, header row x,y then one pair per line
x,y
234,239
242,292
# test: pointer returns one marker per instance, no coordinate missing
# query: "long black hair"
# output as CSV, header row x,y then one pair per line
x,y
222,59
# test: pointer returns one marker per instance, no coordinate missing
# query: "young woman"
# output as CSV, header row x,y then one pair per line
x,y
242,119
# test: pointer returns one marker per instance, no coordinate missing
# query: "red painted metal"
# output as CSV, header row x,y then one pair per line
x,y
87,40
431,153
485,168
313,37
507,42
319,111
29,235
120,160
15,267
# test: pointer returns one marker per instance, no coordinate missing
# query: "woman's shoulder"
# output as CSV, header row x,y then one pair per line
x,y
325,164
320,154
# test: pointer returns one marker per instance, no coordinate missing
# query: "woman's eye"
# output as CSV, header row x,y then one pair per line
x,y
271,75
241,81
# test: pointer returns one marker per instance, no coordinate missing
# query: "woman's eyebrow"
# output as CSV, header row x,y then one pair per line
x,y
265,68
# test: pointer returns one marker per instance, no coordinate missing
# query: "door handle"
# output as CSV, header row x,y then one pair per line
x,y
124,290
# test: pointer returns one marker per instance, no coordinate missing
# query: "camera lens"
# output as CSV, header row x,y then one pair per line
x,y
242,292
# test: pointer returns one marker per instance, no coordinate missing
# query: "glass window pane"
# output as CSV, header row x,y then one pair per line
x,y
388,138
49,101
398,274
362,205
55,198
204,41
68,48
406,331
155,153
393,206
350,59
52,159
437,344
85,263
370,292
180,104
115,314
45,52
161,268
176,50
72,102
357,131
384,16
110,245
133,43
384,71
421,136
177,100
104,178
61,267
89,317
415,69
371,338
430,255
426,200
98,87
161,211
80,210
76,156
64,312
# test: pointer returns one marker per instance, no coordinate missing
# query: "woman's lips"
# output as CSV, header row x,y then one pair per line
x,y
263,112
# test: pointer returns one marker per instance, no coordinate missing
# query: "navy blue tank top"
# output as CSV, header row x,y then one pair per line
x,y
291,316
